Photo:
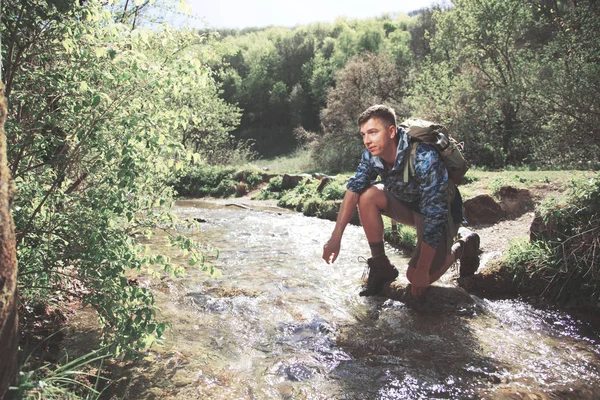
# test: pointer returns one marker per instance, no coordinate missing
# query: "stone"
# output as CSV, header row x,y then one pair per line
x,y
324,182
435,298
483,210
291,181
515,202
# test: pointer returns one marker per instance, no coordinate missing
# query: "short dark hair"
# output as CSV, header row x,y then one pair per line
x,y
386,114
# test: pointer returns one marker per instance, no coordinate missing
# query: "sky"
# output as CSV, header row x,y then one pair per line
x,y
259,13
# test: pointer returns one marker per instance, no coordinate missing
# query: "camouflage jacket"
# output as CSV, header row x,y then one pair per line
x,y
424,193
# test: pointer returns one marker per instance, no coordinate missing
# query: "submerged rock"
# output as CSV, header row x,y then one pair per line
x,y
435,297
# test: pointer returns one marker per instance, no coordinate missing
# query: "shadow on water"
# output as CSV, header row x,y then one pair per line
x,y
399,353
281,324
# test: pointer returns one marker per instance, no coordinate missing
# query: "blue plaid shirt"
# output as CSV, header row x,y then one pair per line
x,y
424,193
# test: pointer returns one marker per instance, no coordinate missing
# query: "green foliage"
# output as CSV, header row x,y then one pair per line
x,y
328,210
516,81
295,198
281,77
217,181
97,113
311,206
275,184
405,237
249,177
496,184
79,378
365,80
253,180
334,190
274,189
531,258
306,198
267,195
566,255
565,82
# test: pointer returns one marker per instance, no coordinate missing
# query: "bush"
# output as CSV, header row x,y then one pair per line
x,y
566,257
405,238
275,184
311,206
225,188
203,180
250,177
253,180
334,190
328,210
496,184
294,198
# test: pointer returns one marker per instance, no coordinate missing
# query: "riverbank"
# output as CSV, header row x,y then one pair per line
x,y
197,293
506,208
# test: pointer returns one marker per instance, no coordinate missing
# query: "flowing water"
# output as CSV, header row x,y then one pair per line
x,y
279,323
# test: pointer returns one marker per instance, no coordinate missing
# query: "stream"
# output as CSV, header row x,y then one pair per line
x,y
279,323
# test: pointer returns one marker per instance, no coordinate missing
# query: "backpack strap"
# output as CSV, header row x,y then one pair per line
x,y
451,227
409,162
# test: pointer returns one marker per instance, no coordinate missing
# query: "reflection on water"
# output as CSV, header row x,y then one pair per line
x,y
281,324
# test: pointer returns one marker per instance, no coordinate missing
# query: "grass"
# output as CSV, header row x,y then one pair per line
x,y
298,162
80,378
477,180
481,181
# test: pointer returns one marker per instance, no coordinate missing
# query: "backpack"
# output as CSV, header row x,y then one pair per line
x,y
420,131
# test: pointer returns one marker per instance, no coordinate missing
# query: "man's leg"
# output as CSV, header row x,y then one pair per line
x,y
372,203
466,250
441,261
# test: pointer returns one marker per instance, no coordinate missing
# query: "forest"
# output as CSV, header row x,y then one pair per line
x,y
106,103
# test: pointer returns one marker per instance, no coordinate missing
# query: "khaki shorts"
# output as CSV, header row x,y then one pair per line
x,y
403,214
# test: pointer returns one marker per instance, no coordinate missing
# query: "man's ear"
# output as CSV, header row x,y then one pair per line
x,y
392,131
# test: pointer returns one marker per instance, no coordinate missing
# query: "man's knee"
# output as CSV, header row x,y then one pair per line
x,y
373,195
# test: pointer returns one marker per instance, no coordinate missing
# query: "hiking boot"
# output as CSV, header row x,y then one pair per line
x,y
469,260
380,271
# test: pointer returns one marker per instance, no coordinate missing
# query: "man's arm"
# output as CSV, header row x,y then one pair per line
x,y
433,179
421,279
365,174
331,249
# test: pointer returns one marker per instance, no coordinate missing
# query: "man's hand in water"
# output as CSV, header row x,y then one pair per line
x,y
419,282
331,249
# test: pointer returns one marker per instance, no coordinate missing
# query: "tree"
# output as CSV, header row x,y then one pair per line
x,y
565,85
96,120
365,80
483,44
9,338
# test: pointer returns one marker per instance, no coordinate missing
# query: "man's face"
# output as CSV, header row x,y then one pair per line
x,y
377,137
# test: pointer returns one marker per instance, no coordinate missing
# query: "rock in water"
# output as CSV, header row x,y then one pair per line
x,y
435,298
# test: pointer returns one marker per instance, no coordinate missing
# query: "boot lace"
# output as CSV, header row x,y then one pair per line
x,y
367,268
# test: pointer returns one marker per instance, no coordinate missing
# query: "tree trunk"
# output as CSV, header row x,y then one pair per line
x,y
9,338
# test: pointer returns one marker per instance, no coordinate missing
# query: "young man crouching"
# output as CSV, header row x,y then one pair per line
x,y
421,201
